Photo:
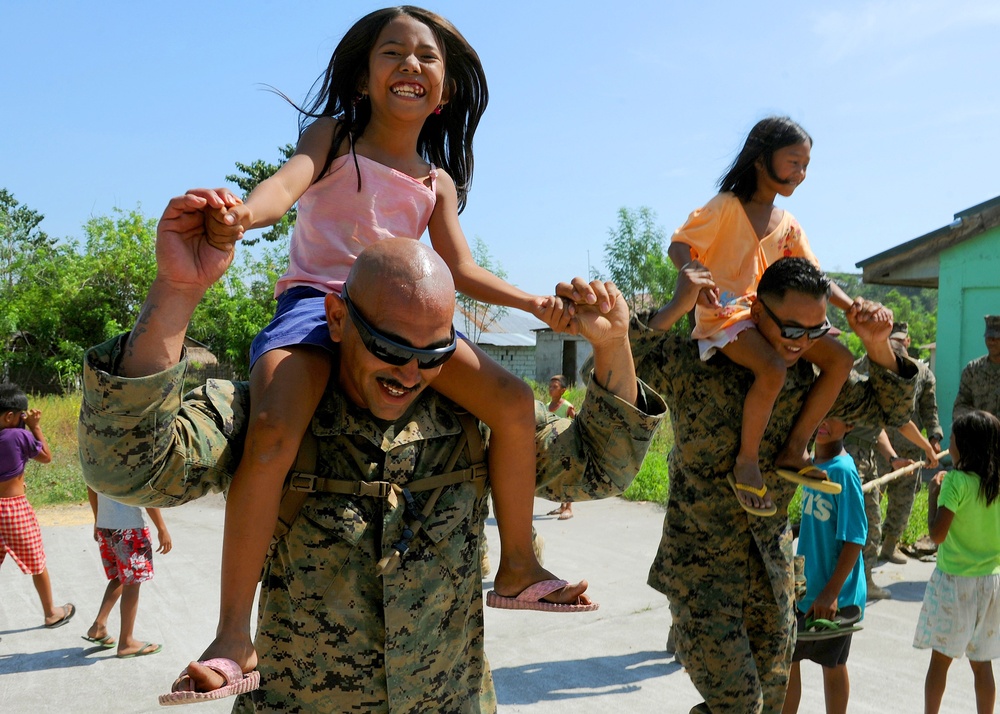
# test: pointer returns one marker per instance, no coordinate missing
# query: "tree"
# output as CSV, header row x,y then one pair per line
x,y
20,239
239,306
252,174
478,315
636,260
915,306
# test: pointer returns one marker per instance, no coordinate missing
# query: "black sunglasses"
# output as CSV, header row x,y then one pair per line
x,y
392,352
790,332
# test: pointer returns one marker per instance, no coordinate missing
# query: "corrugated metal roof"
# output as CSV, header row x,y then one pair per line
x,y
513,329
499,339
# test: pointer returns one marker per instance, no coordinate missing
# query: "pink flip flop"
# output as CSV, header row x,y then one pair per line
x,y
236,683
531,599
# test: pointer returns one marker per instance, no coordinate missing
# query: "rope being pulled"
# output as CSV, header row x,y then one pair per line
x,y
898,473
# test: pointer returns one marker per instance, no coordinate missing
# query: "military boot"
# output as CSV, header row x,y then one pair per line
x,y
877,593
891,552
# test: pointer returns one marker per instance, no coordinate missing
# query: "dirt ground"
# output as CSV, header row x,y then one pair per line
x,y
72,514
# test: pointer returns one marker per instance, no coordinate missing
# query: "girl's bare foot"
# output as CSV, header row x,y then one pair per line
x,y
747,473
199,678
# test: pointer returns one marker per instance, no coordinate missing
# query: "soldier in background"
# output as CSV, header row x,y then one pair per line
x,y
979,387
925,417
337,633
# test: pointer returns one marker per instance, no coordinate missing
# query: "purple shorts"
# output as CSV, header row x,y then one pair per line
x,y
300,319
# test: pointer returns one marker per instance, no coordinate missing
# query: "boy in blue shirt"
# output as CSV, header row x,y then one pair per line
x,y
831,536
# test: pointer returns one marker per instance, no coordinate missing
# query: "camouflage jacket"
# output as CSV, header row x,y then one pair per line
x,y
979,387
924,414
332,635
707,536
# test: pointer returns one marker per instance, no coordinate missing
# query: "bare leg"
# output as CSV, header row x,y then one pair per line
x,y
286,386
99,629
836,689
986,688
794,692
127,643
935,682
751,350
835,363
507,405
43,586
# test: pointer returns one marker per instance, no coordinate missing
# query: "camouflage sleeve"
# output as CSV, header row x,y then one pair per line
x,y
882,398
927,406
965,400
656,354
145,443
597,454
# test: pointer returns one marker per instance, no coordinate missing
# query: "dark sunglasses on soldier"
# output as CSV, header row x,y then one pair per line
x,y
791,332
392,352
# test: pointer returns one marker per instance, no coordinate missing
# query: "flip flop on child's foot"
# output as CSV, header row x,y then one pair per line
x,y
235,681
106,642
531,599
818,481
69,609
760,493
149,648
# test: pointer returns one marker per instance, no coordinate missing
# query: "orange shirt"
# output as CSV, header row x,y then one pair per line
x,y
721,237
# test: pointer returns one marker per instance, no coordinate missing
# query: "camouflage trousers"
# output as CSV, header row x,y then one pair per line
x,y
900,493
738,664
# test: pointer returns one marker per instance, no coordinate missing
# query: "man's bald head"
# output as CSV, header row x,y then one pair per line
x,y
401,271
402,293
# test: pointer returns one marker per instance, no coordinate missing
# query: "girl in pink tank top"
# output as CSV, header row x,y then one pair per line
x,y
387,151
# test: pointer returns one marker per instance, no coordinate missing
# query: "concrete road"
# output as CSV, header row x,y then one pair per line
x,y
609,660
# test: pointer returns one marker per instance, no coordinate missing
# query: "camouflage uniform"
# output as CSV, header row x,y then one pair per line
x,y
902,490
979,387
332,635
860,444
728,575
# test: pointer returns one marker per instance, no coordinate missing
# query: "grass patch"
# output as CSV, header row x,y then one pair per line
x,y
62,480
653,480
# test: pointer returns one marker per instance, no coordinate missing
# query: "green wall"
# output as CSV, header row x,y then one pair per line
x,y
968,288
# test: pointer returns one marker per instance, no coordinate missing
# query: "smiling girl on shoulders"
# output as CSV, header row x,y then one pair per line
x,y
736,236
385,150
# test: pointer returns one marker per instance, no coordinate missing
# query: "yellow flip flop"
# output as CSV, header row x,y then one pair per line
x,y
823,484
758,492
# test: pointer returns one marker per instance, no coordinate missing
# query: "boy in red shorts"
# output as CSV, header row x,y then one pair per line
x,y
21,440
127,555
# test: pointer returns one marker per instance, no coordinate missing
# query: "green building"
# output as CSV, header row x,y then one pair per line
x,y
961,260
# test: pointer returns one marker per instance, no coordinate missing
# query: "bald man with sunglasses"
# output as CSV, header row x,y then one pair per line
x,y
372,599
728,574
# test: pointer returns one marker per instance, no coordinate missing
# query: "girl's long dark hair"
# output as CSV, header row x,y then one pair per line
x,y
446,138
767,136
977,436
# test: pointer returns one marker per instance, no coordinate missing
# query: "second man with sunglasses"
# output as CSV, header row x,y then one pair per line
x,y
728,574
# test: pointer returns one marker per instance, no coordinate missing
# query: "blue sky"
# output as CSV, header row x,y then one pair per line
x,y
593,106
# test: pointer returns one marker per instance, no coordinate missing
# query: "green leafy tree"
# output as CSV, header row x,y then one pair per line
x,y
478,316
239,306
21,240
636,259
32,267
252,174
915,306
